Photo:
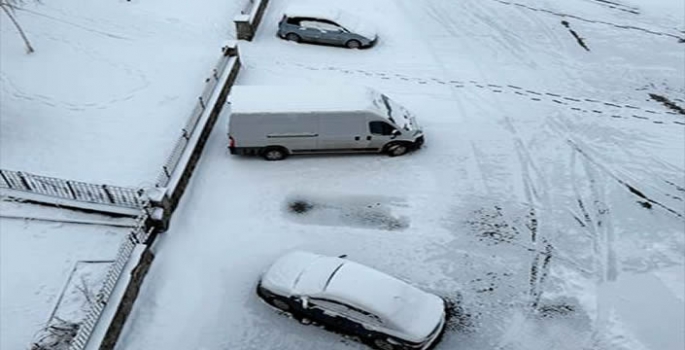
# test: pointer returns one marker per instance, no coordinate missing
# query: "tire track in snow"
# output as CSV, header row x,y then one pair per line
x,y
597,222
566,15
644,201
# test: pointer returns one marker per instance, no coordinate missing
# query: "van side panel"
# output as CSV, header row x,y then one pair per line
x,y
342,132
295,132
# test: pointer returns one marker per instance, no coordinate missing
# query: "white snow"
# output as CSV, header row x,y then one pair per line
x,y
405,308
529,145
549,193
300,273
302,99
109,87
36,259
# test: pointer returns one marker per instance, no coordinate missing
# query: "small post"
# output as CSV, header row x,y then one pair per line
x,y
166,172
71,190
185,134
23,181
7,181
109,195
202,103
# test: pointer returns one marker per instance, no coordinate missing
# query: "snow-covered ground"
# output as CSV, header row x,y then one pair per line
x,y
549,197
37,257
105,95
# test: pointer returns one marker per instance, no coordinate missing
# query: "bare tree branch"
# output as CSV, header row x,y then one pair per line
x,y
8,7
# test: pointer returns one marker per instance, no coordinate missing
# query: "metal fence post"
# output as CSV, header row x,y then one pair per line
x,y
24,182
202,103
71,190
109,195
4,178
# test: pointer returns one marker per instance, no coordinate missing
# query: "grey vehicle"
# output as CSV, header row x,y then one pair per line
x,y
326,26
277,121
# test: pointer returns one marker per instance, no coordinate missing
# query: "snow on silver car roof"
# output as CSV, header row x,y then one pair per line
x,y
302,99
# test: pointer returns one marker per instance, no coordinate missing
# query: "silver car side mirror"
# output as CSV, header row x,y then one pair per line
x,y
395,133
305,302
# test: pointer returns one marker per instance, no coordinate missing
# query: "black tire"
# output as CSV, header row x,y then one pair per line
x,y
274,153
383,344
293,37
353,44
397,149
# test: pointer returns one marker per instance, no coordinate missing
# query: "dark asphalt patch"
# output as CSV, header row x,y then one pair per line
x,y
300,207
456,317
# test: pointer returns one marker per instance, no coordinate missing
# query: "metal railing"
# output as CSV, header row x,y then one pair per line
x,y
200,106
139,235
73,190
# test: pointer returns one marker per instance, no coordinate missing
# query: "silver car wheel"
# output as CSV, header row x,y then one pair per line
x,y
353,44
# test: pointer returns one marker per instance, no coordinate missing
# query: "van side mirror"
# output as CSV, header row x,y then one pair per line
x,y
395,133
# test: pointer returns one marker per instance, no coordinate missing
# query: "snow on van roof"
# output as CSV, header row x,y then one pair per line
x,y
302,99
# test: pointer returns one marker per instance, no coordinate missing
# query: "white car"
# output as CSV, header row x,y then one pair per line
x,y
347,297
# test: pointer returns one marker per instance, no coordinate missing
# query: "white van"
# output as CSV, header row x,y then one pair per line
x,y
277,121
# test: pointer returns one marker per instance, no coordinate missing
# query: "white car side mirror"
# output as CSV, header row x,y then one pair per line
x,y
305,302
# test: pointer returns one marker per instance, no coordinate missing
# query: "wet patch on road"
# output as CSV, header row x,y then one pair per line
x,y
352,211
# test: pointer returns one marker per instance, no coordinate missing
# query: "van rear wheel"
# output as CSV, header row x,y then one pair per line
x,y
274,153
397,149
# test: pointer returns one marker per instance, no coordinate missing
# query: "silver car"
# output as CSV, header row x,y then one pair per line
x,y
326,26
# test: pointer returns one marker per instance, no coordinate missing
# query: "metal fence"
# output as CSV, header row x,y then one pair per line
x,y
187,131
139,235
68,189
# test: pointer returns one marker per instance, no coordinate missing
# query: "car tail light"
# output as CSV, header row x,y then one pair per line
x,y
231,142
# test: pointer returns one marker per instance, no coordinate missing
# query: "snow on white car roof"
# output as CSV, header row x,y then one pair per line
x,y
300,272
406,308
410,309
302,99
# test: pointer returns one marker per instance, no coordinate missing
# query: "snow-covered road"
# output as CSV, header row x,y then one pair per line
x,y
549,194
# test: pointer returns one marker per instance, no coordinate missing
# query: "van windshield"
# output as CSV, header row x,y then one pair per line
x,y
397,114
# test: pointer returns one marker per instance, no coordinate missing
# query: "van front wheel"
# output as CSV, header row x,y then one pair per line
x,y
274,153
397,149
